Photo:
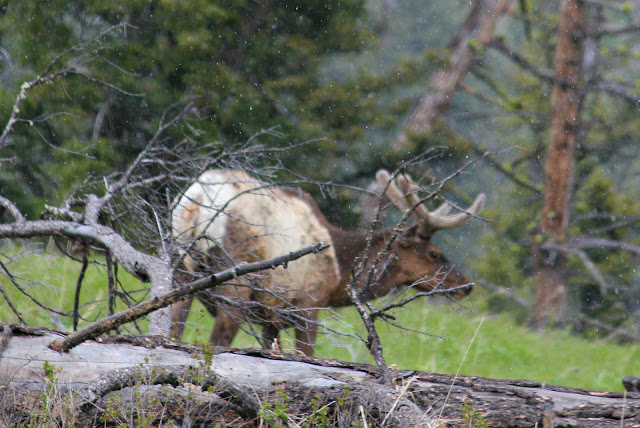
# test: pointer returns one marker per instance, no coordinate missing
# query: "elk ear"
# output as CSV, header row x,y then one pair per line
x,y
408,235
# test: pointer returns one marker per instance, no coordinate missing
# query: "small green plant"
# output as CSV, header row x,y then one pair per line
x,y
54,407
204,363
323,415
276,413
51,377
319,417
471,417
142,408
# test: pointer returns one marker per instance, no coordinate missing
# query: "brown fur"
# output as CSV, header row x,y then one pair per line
x,y
260,223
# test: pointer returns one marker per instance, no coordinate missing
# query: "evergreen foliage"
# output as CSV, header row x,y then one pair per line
x,y
343,74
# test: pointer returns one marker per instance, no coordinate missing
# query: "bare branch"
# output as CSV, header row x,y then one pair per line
x,y
116,320
594,243
593,269
76,301
614,31
606,327
501,46
47,77
23,291
617,90
139,264
7,205
441,87
10,303
501,289
373,341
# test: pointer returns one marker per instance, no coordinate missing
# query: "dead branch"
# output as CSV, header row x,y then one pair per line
x,y
245,378
7,205
121,378
442,85
599,84
584,243
593,270
142,309
614,31
501,46
501,289
139,264
618,90
577,321
76,300
25,292
609,328
48,76
381,312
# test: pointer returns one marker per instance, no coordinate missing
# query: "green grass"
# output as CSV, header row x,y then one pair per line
x,y
52,280
501,348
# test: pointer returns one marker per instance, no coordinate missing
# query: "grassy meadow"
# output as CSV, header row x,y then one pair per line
x,y
456,337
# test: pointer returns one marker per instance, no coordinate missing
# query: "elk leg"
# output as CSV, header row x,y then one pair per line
x,y
306,332
228,319
226,327
179,314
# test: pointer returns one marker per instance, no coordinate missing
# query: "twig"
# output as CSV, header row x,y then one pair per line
x,y
76,301
46,77
10,303
593,269
379,313
373,340
111,282
586,243
614,31
611,329
364,417
23,291
405,387
506,291
501,46
142,309
464,357
617,90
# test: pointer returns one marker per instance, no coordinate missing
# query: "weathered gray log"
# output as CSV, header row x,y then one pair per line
x,y
241,385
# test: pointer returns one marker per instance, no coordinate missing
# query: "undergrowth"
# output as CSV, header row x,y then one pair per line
x,y
503,348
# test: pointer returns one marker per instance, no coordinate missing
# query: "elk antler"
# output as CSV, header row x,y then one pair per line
x,y
394,194
430,221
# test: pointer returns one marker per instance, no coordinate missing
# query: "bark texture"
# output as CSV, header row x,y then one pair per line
x,y
126,379
551,300
472,36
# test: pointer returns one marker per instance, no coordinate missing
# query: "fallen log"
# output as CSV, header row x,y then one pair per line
x,y
118,379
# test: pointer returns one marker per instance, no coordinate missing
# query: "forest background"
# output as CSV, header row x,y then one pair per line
x,y
346,76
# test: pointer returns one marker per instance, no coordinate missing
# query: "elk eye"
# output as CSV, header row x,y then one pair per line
x,y
433,255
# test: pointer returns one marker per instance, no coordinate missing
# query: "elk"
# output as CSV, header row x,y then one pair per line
x,y
227,214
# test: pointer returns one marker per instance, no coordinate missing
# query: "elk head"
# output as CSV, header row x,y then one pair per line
x,y
421,263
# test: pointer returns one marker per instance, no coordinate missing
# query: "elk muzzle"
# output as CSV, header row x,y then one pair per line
x,y
452,283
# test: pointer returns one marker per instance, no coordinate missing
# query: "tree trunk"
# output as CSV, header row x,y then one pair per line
x,y
154,381
551,296
474,34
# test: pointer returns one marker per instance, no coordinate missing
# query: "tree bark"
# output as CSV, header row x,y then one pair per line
x,y
551,295
168,381
474,34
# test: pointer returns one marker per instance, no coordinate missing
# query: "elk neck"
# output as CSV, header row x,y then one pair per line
x,y
349,247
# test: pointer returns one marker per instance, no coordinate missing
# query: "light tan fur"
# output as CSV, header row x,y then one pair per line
x,y
228,211
230,217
